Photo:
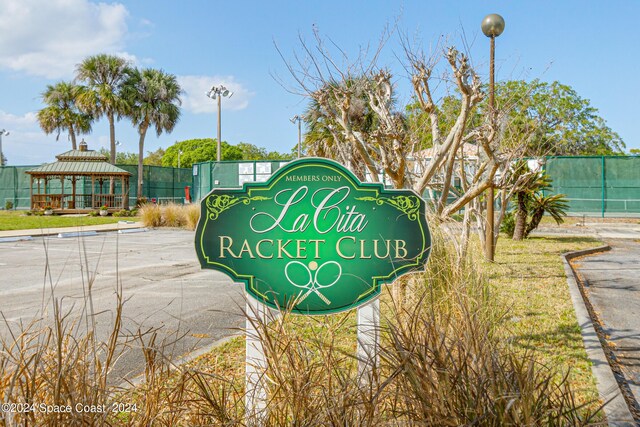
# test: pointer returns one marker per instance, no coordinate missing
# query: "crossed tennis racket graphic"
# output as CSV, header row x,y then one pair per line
x,y
311,285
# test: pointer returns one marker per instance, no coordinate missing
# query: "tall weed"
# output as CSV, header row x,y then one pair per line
x,y
441,363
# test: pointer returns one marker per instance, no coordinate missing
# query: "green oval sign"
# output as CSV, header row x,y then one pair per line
x,y
313,235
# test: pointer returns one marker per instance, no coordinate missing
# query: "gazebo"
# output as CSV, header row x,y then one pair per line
x,y
93,183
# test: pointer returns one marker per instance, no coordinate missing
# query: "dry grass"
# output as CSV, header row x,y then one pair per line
x,y
173,215
192,216
170,215
444,360
150,215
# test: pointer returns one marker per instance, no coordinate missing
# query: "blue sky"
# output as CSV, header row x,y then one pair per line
x,y
589,45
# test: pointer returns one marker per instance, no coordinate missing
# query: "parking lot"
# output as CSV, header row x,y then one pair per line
x,y
157,271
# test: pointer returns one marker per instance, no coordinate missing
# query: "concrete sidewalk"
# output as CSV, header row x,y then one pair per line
x,y
593,229
37,232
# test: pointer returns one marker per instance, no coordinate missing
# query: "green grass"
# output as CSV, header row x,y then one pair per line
x,y
528,279
19,220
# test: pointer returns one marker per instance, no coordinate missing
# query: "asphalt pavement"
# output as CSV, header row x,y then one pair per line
x,y
157,271
612,282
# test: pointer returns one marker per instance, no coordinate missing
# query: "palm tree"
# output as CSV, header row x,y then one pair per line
x,y
529,183
555,205
104,75
62,113
153,98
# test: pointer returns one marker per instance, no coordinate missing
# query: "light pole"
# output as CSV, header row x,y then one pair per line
x,y
492,26
3,132
298,119
219,92
179,153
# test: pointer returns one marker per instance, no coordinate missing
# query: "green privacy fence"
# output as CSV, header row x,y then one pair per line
x,y
594,185
230,174
160,183
14,186
597,185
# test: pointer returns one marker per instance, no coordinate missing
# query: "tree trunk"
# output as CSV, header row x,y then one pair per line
x,y
535,221
112,137
521,216
143,133
72,135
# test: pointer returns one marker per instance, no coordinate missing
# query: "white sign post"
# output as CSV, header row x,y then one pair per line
x,y
368,336
255,363
368,341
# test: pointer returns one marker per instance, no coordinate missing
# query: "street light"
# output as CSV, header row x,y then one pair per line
x,y
179,153
492,26
2,133
219,92
298,119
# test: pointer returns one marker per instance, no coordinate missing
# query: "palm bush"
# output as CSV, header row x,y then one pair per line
x,y
532,204
555,205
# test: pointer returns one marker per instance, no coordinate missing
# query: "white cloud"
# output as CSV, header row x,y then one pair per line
x,y
49,38
11,121
26,144
195,100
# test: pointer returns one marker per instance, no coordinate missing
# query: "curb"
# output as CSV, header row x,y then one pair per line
x,y
15,235
615,408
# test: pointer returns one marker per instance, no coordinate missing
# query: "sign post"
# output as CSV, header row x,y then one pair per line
x,y
315,240
368,339
255,398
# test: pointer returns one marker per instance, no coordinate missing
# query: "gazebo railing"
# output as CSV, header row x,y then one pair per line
x,y
82,201
42,201
111,201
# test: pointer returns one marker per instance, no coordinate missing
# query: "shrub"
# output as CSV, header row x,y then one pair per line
x,y
172,215
8,205
192,215
151,215
508,224
125,213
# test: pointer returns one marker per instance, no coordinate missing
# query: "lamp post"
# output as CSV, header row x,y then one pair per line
x,y
492,26
179,153
298,119
219,92
3,132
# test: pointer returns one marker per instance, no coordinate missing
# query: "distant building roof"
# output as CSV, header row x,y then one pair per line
x,y
469,149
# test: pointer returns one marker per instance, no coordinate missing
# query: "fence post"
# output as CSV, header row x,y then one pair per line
x,y
15,188
603,184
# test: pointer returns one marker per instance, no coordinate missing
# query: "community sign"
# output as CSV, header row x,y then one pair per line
x,y
313,238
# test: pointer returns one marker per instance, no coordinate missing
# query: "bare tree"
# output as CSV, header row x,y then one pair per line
x,y
363,128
